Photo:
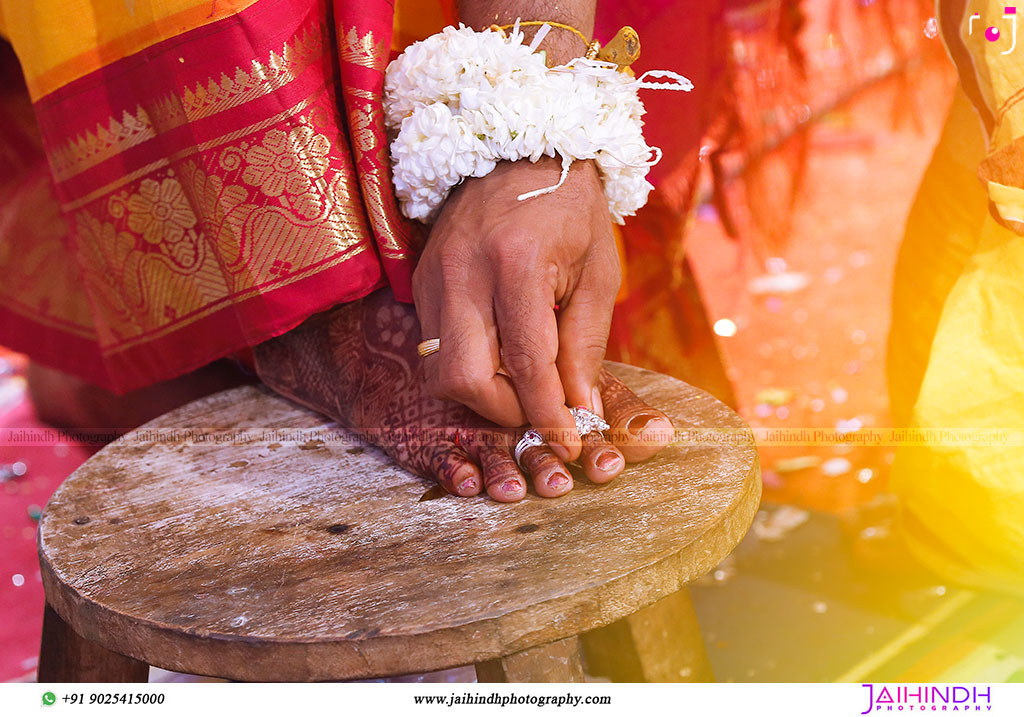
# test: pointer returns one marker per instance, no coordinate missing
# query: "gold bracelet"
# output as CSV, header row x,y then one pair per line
x,y
592,45
623,49
535,23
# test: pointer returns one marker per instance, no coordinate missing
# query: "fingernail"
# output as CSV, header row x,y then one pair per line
x,y
558,480
560,450
608,460
595,399
639,423
468,485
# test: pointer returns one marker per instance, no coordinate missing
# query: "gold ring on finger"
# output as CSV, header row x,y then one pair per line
x,y
430,346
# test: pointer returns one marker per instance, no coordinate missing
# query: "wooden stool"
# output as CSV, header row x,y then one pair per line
x,y
266,557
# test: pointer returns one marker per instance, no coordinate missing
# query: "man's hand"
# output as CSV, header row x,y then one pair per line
x,y
488,284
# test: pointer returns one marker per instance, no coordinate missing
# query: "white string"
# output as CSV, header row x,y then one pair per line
x,y
683,84
595,67
566,163
649,163
584,66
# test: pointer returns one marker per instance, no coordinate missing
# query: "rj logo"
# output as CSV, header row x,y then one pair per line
x,y
992,34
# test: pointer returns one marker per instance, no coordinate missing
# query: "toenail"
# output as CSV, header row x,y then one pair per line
x,y
639,423
511,486
558,480
469,484
608,460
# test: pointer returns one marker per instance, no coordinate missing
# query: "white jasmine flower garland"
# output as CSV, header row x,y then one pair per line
x,y
461,101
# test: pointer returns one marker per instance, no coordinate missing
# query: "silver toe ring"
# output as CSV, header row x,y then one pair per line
x,y
530,438
587,421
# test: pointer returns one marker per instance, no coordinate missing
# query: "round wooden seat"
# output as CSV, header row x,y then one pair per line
x,y
242,536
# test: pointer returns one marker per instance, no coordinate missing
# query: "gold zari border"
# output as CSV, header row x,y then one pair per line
x,y
206,99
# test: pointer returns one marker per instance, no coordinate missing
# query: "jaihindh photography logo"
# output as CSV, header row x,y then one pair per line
x,y
927,698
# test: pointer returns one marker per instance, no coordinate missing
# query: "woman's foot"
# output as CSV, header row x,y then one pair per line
x,y
358,364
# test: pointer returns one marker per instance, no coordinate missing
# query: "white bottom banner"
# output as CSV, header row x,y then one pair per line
x,y
790,700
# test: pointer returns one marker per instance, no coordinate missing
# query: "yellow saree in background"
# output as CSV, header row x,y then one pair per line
x,y
956,351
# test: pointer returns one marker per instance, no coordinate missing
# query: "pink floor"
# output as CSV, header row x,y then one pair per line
x,y
46,465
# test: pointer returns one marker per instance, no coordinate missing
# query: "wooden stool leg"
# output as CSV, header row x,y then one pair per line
x,y
65,656
557,662
661,643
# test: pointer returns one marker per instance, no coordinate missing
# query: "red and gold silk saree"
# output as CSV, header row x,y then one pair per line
x,y
206,175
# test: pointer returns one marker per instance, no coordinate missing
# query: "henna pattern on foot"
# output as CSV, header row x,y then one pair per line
x,y
358,364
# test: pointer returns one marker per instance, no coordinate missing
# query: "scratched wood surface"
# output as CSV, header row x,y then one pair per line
x,y
296,553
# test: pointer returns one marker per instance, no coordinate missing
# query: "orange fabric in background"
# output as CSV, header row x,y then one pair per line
x,y
417,20
60,42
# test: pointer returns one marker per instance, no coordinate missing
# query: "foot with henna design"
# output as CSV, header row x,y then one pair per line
x,y
358,364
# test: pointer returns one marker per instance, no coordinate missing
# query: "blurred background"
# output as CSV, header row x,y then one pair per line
x,y
790,233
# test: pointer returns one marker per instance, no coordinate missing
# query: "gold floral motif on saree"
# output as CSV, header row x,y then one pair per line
x,y
257,214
